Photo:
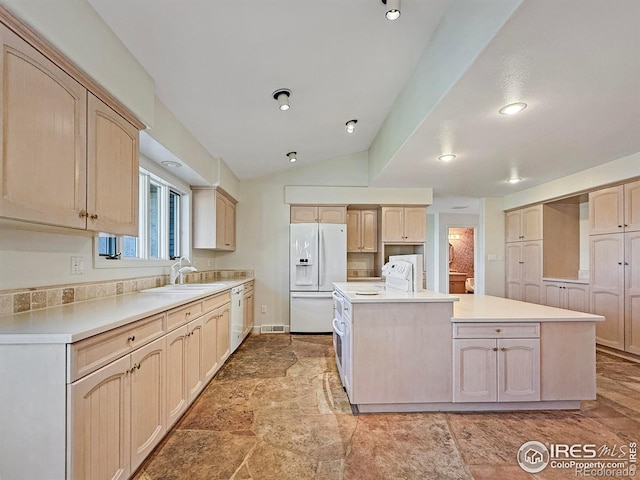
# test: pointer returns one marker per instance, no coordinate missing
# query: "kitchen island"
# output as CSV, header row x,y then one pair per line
x,y
426,351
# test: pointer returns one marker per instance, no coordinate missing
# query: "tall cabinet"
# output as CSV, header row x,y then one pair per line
x,y
614,220
524,254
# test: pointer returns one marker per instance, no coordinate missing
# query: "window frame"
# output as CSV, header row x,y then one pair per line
x,y
150,172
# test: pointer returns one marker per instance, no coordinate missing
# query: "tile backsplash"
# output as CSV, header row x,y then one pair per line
x,y
25,299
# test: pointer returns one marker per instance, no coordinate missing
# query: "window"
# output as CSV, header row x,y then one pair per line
x,y
160,224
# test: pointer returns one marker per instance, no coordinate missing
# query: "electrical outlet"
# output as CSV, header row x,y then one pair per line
x,y
263,309
77,265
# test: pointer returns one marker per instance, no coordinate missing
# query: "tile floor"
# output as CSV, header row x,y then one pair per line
x,y
276,410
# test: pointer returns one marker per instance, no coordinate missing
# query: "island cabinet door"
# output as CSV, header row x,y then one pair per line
x,y
518,369
474,370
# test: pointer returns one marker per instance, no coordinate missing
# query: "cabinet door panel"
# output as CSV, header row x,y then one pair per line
x,y
519,370
632,207
415,224
112,171
607,287
194,358
304,214
148,413
514,271
552,295
332,214
632,293
474,370
532,223
100,423
177,393
606,210
532,270
577,297
247,319
43,126
209,340
392,224
354,234
369,230
224,334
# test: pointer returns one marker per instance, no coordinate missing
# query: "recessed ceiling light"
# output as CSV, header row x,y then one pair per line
x,y
514,180
170,164
512,108
447,157
292,156
282,97
351,126
393,9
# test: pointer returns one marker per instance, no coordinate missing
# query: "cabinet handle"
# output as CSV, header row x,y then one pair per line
x,y
619,263
94,216
187,314
83,214
619,226
498,330
131,338
626,263
503,349
495,349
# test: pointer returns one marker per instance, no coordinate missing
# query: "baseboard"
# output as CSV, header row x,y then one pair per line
x,y
618,353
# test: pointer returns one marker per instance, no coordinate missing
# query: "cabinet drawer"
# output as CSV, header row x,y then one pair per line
x,y
88,355
181,315
215,301
248,286
496,330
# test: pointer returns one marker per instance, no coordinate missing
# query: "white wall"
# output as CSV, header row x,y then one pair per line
x,y
490,258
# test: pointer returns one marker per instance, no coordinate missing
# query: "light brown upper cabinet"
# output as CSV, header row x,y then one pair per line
x,y
67,159
112,171
404,224
214,220
524,224
362,231
615,209
43,170
318,214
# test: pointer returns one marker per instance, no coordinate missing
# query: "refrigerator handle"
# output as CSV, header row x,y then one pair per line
x,y
321,258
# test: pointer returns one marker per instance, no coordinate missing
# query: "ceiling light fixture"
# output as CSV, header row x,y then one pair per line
x,y
292,156
282,97
170,164
512,108
393,9
513,180
447,157
351,126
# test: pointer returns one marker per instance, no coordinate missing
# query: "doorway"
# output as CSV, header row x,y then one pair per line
x,y
461,259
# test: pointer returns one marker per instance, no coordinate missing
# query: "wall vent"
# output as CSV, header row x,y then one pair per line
x,y
272,329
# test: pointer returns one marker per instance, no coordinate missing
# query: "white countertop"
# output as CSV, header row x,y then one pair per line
x,y
566,280
357,292
77,321
485,308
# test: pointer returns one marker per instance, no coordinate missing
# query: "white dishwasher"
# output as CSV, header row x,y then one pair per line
x,y
237,316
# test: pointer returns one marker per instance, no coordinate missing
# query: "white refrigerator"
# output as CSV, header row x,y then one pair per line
x,y
318,257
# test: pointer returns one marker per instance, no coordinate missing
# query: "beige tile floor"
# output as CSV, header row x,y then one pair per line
x,y
276,410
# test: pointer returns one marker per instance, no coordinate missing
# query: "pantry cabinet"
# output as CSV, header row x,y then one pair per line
x,y
318,214
614,218
362,231
491,366
67,158
404,224
524,224
214,220
524,271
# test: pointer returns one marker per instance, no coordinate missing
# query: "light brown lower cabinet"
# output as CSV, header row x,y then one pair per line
x,y
177,396
567,295
117,414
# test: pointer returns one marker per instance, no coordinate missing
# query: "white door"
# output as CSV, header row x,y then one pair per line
x,y
303,257
333,255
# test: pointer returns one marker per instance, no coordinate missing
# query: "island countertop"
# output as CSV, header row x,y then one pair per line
x,y
362,292
487,308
